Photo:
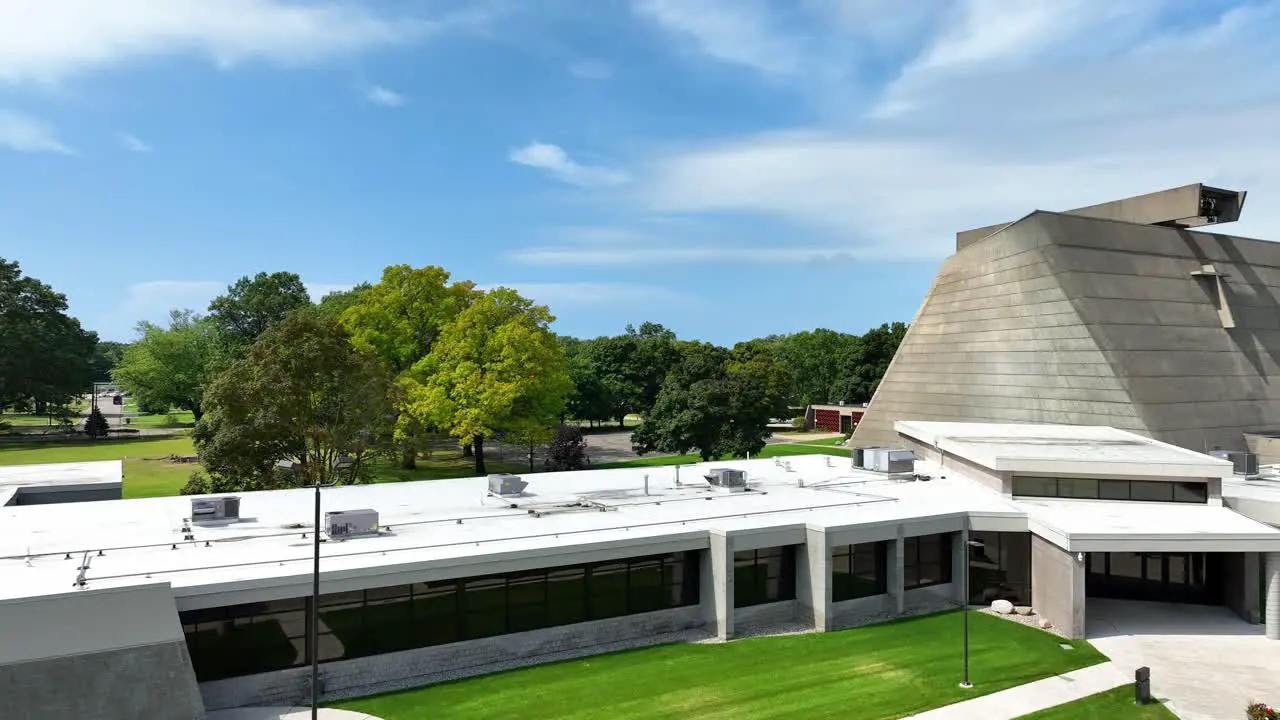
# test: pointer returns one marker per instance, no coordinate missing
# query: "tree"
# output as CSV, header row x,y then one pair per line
x,y
398,320
335,303
105,358
630,368
495,366
708,406
758,359
96,425
590,400
302,394
251,305
568,450
45,355
170,367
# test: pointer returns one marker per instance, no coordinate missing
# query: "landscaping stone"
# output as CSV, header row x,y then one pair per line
x,y
1004,607
1045,624
1023,610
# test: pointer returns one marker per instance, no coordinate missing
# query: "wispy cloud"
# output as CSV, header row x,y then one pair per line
x,y
43,41
29,135
591,69
133,143
576,294
738,32
649,255
385,97
557,163
1002,111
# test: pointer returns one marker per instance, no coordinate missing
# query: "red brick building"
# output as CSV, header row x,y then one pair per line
x,y
833,418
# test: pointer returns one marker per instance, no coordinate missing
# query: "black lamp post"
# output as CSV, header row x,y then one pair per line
x,y
964,683
340,463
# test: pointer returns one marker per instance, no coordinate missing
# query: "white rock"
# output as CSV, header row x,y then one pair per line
x,y
1004,607
1022,610
1045,624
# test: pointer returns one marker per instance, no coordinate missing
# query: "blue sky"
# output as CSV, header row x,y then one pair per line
x,y
730,168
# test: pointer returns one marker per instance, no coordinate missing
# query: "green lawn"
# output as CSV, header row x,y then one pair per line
x,y
27,420
880,671
828,442
775,450
1114,704
176,419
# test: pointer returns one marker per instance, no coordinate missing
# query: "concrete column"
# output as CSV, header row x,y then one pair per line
x,y
1057,587
813,581
895,564
1271,578
717,586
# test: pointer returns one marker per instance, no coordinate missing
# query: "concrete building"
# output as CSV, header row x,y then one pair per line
x,y
833,418
168,607
46,483
1117,314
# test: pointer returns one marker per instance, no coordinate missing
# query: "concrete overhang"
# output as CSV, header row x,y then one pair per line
x,y
1109,526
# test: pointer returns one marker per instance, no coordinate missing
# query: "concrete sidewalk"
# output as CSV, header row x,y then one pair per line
x,y
285,713
1023,699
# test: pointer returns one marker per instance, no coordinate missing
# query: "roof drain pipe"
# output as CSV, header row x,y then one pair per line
x,y
646,484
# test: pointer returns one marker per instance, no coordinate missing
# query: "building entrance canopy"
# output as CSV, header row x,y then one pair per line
x,y
1104,526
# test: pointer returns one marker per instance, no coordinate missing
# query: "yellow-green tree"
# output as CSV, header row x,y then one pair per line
x,y
496,366
398,320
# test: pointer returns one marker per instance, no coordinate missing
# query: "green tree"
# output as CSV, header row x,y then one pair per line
x,y
495,366
105,358
710,405
170,367
45,355
96,425
568,450
630,368
335,303
251,305
590,400
302,394
398,320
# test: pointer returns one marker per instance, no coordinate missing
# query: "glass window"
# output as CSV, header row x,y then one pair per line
x,y
1035,486
484,607
1151,491
1078,488
763,576
1113,489
644,586
926,561
527,601
1191,492
435,613
859,571
567,596
607,590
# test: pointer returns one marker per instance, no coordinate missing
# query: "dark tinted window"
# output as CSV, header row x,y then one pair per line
x,y
926,561
764,576
858,571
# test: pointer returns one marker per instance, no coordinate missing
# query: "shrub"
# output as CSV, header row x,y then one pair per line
x,y
797,422
568,450
197,484
1260,711
96,425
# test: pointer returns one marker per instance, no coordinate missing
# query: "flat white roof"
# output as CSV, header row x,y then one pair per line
x,y
1102,525
1074,449
442,523
55,474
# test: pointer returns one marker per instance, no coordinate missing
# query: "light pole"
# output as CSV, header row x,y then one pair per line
x,y
968,544
340,463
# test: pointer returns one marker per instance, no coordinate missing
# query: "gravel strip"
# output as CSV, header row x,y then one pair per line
x,y
1028,620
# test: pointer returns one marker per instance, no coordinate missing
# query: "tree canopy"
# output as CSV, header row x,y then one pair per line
x,y
494,367
301,394
46,357
251,305
170,367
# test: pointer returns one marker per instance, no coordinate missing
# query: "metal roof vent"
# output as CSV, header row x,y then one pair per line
x,y
727,478
343,524
506,485
215,509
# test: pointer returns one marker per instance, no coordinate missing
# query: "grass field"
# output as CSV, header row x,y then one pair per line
x,y
24,420
881,671
775,450
176,419
1114,704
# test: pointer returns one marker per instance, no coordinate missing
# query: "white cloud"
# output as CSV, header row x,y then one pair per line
x,y
45,41
133,143
570,294
385,97
649,255
25,134
151,301
591,69
1050,112
557,163
317,291
737,32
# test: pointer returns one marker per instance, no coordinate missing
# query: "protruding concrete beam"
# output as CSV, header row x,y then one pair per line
x,y
1187,206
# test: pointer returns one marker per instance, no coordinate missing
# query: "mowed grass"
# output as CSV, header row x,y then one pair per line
x,y
881,671
27,420
175,419
1116,704
774,450
147,470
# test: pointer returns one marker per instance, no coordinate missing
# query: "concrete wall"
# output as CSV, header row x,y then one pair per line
x,y
424,666
1058,587
1240,585
36,496
1065,319
104,654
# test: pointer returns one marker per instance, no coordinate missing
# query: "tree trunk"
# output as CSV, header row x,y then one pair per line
x,y
531,449
478,443
42,407
196,413
466,450
622,421
408,456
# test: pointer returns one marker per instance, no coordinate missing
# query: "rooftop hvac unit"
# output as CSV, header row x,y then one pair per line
x,y
858,455
727,478
870,457
1244,463
888,460
215,508
506,484
343,524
